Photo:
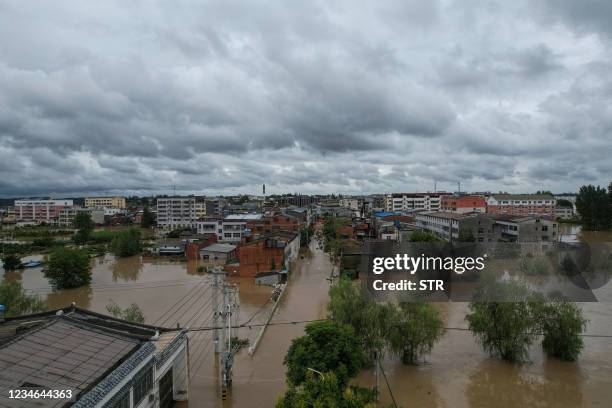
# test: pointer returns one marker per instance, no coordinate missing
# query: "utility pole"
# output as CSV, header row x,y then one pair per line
x,y
218,283
223,328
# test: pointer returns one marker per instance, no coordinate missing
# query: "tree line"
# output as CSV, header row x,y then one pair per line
x,y
506,318
594,204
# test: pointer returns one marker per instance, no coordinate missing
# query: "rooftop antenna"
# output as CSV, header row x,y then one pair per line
x,y
435,186
459,187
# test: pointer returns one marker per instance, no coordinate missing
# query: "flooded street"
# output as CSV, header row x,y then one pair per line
x,y
457,374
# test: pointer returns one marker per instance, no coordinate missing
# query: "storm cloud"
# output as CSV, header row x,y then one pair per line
x,y
354,97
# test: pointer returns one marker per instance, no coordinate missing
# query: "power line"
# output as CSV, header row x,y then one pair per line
x,y
387,382
177,302
185,302
293,322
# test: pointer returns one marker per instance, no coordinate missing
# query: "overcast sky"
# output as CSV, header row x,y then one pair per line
x,y
304,96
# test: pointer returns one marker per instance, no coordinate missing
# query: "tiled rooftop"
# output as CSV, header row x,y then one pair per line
x,y
61,354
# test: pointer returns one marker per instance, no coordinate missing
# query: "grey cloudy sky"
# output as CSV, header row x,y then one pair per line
x,y
305,96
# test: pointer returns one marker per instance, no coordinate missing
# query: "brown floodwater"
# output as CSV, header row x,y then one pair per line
x,y
456,374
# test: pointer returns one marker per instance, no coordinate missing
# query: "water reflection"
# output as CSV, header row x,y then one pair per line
x,y
513,385
80,296
126,269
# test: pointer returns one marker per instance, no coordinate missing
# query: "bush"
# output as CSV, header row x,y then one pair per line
x,y
16,302
11,262
102,237
423,236
327,346
68,268
562,323
132,313
414,328
534,266
127,243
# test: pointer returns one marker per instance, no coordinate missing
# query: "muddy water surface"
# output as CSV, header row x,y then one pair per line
x,y
457,374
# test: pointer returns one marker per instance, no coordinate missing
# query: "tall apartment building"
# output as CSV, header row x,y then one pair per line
x,y
176,212
463,204
409,202
39,210
116,202
521,204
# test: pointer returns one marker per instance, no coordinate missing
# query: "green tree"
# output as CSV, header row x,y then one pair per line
x,y
369,320
593,205
562,323
147,218
325,390
68,268
414,329
16,302
562,202
84,226
127,243
11,262
423,236
327,346
132,313
502,319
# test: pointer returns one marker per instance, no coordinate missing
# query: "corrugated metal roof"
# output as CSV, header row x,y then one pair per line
x,y
219,248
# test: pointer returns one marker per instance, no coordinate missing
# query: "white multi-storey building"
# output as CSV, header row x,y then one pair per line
x,y
39,210
230,229
410,202
176,212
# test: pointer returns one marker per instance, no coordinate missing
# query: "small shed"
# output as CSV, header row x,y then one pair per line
x,y
218,254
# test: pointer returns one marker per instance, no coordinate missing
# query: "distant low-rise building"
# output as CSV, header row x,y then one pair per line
x,y
409,202
117,202
448,226
231,229
218,254
40,210
565,213
521,204
463,204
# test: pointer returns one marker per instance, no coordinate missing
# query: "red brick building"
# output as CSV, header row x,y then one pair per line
x,y
273,224
193,246
268,253
463,204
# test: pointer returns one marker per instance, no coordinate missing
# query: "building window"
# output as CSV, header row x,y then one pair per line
x,y
143,383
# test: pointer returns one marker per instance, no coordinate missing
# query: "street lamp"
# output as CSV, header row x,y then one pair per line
x,y
316,371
